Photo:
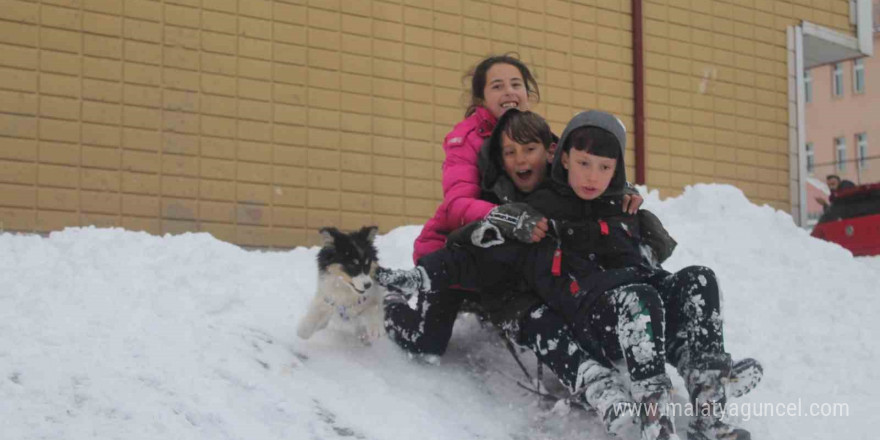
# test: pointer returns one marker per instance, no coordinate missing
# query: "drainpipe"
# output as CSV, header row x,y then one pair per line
x,y
865,26
639,90
800,131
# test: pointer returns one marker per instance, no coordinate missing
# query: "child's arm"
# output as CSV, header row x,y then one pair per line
x,y
516,221
461,184
655,235
460,191
631,199
479,233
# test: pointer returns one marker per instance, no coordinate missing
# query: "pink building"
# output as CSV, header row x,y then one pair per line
x,y
842,123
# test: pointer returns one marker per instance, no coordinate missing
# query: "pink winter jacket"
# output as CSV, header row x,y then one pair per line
x,y
461,183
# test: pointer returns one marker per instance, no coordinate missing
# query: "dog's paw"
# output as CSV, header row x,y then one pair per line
x,y
370,332
306,329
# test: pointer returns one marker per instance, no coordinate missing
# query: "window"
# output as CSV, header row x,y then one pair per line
x,y
840,148
859,76
837,80
862,149
811,160
808,86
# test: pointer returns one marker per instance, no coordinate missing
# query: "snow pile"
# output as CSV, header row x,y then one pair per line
x,y
106,333
804,307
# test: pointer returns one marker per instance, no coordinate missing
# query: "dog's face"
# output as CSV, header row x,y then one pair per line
x,y
351,257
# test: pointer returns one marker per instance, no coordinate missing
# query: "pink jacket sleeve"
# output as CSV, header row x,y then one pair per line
x,y
431,239
461,185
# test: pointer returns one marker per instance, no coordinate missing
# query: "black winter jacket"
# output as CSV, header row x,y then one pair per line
x,y
601,245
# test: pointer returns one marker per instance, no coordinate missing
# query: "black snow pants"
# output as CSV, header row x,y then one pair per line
x,y
427,329
627,320
692,302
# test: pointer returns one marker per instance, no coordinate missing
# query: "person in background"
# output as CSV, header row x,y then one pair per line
x,y
834,184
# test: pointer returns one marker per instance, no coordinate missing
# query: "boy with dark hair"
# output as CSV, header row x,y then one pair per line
x,y
596,274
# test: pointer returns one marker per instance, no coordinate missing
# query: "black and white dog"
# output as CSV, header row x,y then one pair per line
x,y
346,267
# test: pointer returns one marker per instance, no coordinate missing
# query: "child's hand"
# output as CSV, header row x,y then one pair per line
x,y
631,203
518,221
540,230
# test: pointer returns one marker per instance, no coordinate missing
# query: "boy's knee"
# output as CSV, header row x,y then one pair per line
x,y
649,296
700,274
640,298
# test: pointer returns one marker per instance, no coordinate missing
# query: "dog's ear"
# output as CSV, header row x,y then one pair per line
x,y
328,234
369,232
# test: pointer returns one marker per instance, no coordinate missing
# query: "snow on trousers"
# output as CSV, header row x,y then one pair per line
x,y
482,269
428,328
629,322
685,322
628,319
425,329
694,324
687,302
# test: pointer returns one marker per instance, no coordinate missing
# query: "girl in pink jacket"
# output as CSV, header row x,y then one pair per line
x,y
498,83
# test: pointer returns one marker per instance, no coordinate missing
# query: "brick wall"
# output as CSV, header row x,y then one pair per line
x,y
260,121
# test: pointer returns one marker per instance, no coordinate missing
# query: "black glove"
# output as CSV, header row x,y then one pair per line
x,y
515,220
485,234
479,233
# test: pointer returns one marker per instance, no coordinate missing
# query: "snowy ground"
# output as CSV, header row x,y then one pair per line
x,y
112,334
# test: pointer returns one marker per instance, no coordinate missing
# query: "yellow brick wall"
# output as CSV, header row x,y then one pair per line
x,y
260,121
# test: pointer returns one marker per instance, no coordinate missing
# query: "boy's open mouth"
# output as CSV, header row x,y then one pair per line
x,y
524,174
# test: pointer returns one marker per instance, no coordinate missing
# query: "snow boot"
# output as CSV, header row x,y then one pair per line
x,y
738,377
709,428
404,281
653,400
604,391
705,379
745,375
391,298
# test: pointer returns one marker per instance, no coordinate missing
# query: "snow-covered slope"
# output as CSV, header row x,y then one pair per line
x,y
106,333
